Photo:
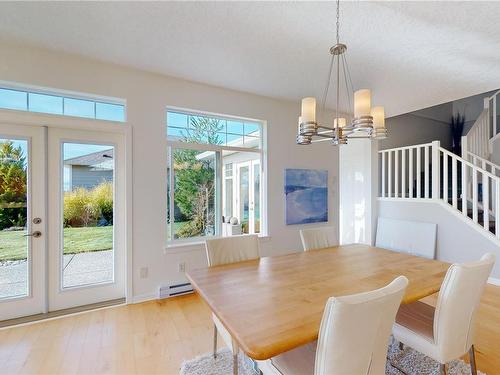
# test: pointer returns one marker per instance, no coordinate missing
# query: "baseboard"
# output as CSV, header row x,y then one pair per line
x,y
494,281
144,297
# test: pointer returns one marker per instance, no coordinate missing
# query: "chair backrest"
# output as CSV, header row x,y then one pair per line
x,y
232,249
318,238
458,300
355,330
405,236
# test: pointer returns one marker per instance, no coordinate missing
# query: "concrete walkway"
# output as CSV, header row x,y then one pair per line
x,y
79,269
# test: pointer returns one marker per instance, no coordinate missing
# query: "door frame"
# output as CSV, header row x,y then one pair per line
x,y
19,118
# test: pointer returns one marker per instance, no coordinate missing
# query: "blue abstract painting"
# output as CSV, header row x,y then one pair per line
x,y
306,196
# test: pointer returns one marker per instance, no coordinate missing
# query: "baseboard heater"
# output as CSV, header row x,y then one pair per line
x,y
167,291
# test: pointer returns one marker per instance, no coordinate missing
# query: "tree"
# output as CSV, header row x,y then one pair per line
x,y
13,181
195,178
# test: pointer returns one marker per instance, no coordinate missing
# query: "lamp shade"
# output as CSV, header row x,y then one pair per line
x,y
378,115
309,109
340,122
362,103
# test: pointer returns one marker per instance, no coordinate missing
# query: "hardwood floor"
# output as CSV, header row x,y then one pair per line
x,y
155,337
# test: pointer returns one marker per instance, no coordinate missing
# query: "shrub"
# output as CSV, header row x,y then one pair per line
x,y
78,208
85,208
102,199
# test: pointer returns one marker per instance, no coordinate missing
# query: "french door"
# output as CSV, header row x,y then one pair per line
x,y
22,221
62,219
248,195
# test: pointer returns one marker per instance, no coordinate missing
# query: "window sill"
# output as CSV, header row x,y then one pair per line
x,y
196,245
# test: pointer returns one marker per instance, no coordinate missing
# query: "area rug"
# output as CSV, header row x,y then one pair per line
x,y
406,361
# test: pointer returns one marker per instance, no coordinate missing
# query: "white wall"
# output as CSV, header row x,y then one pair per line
x,y
147,96
456,240
409,129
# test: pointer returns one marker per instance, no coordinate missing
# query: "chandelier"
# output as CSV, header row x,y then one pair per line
x,y
368,121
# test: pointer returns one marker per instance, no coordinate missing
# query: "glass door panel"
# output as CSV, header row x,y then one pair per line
x,y
244,197
14,242
87,214
86,217
22,244
256,196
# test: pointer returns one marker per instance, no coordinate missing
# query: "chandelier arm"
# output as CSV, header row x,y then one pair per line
x,y
325,93
348,71
349,103
338,91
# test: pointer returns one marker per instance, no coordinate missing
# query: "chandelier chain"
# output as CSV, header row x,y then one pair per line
x,y
338,22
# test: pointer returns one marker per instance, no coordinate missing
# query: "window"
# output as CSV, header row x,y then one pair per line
x,y
214,176
24,100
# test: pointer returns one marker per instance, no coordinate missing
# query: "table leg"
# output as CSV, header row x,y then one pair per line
x,y
235,357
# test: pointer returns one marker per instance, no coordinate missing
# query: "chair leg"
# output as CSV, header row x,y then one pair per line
x,y
235,363
215,341
442,369
235,349
472,358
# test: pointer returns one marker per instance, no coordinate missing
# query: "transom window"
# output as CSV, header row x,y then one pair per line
x,y
214,176
42,102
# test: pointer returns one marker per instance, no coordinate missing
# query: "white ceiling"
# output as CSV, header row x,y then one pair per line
x,y
412,54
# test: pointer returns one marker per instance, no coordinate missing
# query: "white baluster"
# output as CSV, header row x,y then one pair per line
x,y
426,169
396,173
403,173
389,171
410,173
435,169
454,189
474,195
445,177
486,202
464,189
419,174
497,207
383,174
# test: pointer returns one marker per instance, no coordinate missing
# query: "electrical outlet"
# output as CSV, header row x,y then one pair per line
x,y
181,267
143,272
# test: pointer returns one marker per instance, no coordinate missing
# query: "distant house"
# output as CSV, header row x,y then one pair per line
x,y
89,170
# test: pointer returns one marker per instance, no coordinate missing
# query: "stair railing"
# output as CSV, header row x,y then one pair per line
x,y
430,172
486,128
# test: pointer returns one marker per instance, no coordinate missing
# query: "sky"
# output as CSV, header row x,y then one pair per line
x,y
71,150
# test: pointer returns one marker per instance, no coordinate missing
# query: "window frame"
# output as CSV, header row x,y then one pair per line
x,y
219,174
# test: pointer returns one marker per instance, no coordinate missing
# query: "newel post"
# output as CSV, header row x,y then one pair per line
x,y
436,173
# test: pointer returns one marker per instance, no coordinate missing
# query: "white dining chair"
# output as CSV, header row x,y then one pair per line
x,y
446,332
228,250
353,335
318,238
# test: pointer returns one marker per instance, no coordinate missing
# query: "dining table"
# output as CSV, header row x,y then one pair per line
x,y
274,304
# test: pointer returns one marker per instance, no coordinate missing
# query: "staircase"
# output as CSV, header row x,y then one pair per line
x,y
467,185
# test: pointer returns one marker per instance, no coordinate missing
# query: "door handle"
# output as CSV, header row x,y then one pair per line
x,y
35,234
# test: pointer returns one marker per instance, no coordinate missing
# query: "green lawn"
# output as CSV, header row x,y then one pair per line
x,y
76,240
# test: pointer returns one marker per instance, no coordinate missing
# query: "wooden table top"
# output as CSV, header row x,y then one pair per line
x,y
275,304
